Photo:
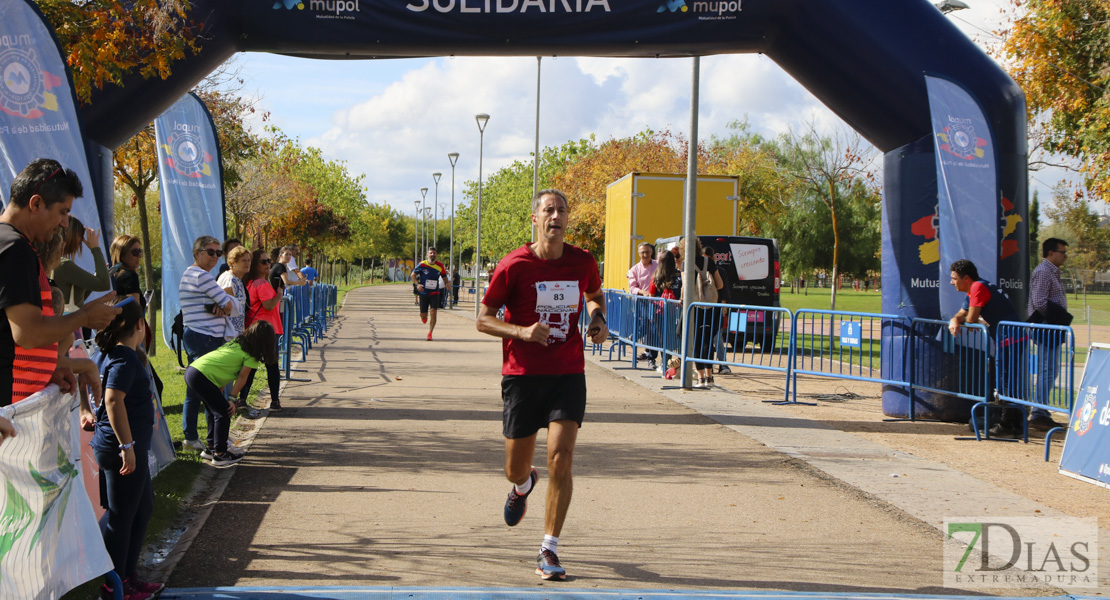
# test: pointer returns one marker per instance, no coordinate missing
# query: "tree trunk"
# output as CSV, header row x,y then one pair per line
x,y
836,242
148,268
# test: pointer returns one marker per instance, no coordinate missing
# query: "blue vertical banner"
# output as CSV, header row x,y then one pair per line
x,y
192,192
968,202
38,116
1086,454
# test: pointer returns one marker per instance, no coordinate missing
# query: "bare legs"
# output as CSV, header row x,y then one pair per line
x,y
561,437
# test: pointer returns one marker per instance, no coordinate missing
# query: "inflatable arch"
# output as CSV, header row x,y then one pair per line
x,y
864,59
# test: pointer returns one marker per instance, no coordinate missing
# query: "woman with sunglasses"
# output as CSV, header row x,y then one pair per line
x,y
263,300
126,255
204,304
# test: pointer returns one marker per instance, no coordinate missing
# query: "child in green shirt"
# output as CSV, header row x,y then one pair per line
x,y
233,362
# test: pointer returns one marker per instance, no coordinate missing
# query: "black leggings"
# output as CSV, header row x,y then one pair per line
x,y
215,403
273,377
130,502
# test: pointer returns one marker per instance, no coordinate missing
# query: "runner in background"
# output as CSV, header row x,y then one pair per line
x,y
428,277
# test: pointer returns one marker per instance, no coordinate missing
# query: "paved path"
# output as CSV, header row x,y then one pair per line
x,y
386,470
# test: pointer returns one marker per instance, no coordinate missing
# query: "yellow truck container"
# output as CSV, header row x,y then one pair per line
x,y
642,207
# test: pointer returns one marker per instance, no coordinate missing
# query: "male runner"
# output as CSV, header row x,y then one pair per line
x,y
541,286
429,276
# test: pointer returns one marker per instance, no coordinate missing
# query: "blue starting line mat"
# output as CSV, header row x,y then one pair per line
x,y
552,592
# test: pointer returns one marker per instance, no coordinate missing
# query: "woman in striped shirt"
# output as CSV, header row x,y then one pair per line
x,y
204,304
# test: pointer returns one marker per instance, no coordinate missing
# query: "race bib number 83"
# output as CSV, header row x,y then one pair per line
x,y
557,297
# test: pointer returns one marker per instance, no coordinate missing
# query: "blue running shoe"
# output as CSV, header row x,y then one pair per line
x,y
547,566
517,504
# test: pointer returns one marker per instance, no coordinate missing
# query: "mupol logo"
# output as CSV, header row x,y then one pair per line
x,y
716,9
336,7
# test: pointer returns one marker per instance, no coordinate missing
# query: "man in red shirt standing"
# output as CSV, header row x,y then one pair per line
x,y
542,286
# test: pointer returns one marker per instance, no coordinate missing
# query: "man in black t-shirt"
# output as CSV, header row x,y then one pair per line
x,y
38,206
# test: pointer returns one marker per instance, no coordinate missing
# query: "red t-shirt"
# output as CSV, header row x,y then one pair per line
x,y
523,283
260,291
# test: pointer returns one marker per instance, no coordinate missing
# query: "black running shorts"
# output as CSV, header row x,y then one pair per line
x,y
427,300
533,401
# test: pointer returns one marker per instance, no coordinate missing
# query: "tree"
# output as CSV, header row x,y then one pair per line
x,y
103,40
1088,242
762,185
586,179
506,195
1034,232
828,169
1058,51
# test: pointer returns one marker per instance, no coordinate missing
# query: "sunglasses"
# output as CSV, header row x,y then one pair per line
x,y
263,261
137,252
52,175
211,252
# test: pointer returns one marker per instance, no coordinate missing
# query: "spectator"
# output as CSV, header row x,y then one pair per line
x,y
203,308
228,245
456,283
121,440
1048,304
310,274
294,268
987,304
264,302
230,364
706,321
232,282
85,370
279,269
126,255
721,331
75,282
39,204
667,284
639,282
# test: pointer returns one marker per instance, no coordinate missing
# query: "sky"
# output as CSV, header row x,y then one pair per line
x,y
396,120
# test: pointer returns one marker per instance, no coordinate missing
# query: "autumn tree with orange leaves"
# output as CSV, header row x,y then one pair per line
x,y
104,40
1058,52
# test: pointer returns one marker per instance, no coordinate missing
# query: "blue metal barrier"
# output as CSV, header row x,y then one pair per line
x,y
845,345
959,367
305,314
740,325
651,324
1030,359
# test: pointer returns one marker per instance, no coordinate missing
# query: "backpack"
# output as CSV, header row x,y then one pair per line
x,y
706,285
177,334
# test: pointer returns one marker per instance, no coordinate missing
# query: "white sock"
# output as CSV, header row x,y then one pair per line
x,y
526,486
551,543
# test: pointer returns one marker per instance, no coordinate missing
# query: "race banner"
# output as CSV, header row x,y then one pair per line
x,y
50,542
967,187
38,118
1086,454
192,193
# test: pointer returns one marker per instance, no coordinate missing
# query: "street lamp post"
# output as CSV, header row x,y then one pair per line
x,y
423,220
481,119
453,157
435,203
415,244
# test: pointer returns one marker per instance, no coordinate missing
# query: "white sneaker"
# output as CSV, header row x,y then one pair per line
x,y
194,444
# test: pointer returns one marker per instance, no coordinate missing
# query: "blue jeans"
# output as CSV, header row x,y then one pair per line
x,y
1047,344
196,346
